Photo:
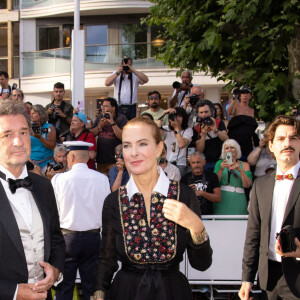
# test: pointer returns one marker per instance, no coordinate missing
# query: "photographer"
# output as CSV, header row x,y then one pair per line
x,y
242,125
5,88
177,137
190,104
181,89
60,162
60,112
118,175
43,139
78,132
126,81
209,134
204,183
108,127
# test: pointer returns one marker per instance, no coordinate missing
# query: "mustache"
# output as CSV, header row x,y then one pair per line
x,y
287,149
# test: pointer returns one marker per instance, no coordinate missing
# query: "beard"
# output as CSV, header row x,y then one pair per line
x,y
154,105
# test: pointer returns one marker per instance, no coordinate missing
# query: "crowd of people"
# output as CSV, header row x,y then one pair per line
x,y
146,182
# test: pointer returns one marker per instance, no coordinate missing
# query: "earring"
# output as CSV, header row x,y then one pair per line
x,y
158,159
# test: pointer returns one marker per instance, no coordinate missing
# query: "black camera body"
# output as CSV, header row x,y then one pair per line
x,y
106,116
125,61
55,166
120,155
207,121
194,99
172,117
54,115
35,128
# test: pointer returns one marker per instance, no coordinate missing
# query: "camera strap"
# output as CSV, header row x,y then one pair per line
x,y
9,91
182,99
86,134
120,87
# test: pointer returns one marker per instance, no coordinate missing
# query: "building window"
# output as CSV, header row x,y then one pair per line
x,y
96,37
3,4
48,38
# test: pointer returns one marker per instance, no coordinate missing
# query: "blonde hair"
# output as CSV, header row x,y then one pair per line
x,y
232,143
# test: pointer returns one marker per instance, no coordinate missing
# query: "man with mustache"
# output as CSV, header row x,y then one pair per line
x,y
205,184
275,204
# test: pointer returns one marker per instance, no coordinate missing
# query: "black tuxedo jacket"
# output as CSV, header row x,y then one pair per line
x,y
258,232
13,268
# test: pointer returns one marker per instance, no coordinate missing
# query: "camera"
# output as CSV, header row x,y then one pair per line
x,y
207,121
194,99
35,128
296,113
14,86
172,117
176,85
55,166
67,135
235,93
106,116
54,115
125,60
120,155
29,165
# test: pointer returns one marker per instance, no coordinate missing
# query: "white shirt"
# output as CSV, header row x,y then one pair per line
x,y
173,172
180,97
80,195
281,195
125,89
21,198
180,154
162,185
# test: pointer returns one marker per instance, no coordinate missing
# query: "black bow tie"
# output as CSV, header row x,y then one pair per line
x,y
13,185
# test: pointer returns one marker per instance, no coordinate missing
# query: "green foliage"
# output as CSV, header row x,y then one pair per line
x,y
234,40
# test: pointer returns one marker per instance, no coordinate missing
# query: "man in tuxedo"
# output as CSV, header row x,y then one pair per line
x,y
274,204
32,247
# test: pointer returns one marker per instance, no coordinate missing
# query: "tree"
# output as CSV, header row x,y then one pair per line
x,y
256,42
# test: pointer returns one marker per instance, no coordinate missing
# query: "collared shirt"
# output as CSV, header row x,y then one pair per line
x,y
162,185
80,194
21,198
281,195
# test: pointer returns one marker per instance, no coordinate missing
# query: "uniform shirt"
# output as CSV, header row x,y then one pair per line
x,y
282,189
80,195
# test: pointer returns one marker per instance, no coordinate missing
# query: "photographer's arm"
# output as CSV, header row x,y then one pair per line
x,y
140,75
232,107
173,101
50,142
111,79
212,197
200,144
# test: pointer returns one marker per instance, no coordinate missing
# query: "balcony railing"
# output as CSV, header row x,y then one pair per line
x,y
97,57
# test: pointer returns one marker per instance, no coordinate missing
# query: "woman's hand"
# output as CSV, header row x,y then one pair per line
x,y
235,166
224,165
179,213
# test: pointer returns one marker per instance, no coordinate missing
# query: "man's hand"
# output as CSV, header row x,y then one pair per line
x,y
120,164
120,69
295,254
262,143
51,276
50,110
26,292
60,113
245,290
102,123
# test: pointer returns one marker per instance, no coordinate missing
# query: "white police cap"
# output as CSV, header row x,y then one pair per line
x,y
77,145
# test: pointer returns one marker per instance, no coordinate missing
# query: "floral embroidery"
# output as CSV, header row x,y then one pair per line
x,y
145,243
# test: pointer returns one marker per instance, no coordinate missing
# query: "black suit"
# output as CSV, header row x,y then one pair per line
x,y
13,268
258,233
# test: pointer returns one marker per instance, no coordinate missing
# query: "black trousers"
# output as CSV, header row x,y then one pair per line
x,y
82,250
277,288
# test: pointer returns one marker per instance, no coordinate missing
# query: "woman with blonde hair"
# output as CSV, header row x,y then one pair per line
x,y
234,175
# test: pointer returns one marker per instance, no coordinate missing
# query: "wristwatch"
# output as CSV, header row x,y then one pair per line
x,y
176,131
112,124
200,238
217,131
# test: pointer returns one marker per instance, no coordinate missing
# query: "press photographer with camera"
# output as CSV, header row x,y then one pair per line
x,y
5,88
209,134
60,164
177,137
108,127
126,80
43,137
190,103
59,111
181,89
118,174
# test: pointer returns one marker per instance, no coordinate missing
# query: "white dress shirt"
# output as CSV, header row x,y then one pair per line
x,y
281,195
162,185
80,194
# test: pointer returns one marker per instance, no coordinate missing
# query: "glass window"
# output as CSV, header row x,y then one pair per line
x,y
132,34
3,4
3,40
48,38
96,35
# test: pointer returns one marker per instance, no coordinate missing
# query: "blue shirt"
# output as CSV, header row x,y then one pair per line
x,y
113,172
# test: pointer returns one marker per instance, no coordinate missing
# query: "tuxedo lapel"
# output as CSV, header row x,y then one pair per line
x,y
8,220
294,194
39,196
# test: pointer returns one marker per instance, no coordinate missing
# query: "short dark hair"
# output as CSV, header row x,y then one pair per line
x,y
59,85
14,108
203,102
281,120
180,111
154,92
4,73
113,102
